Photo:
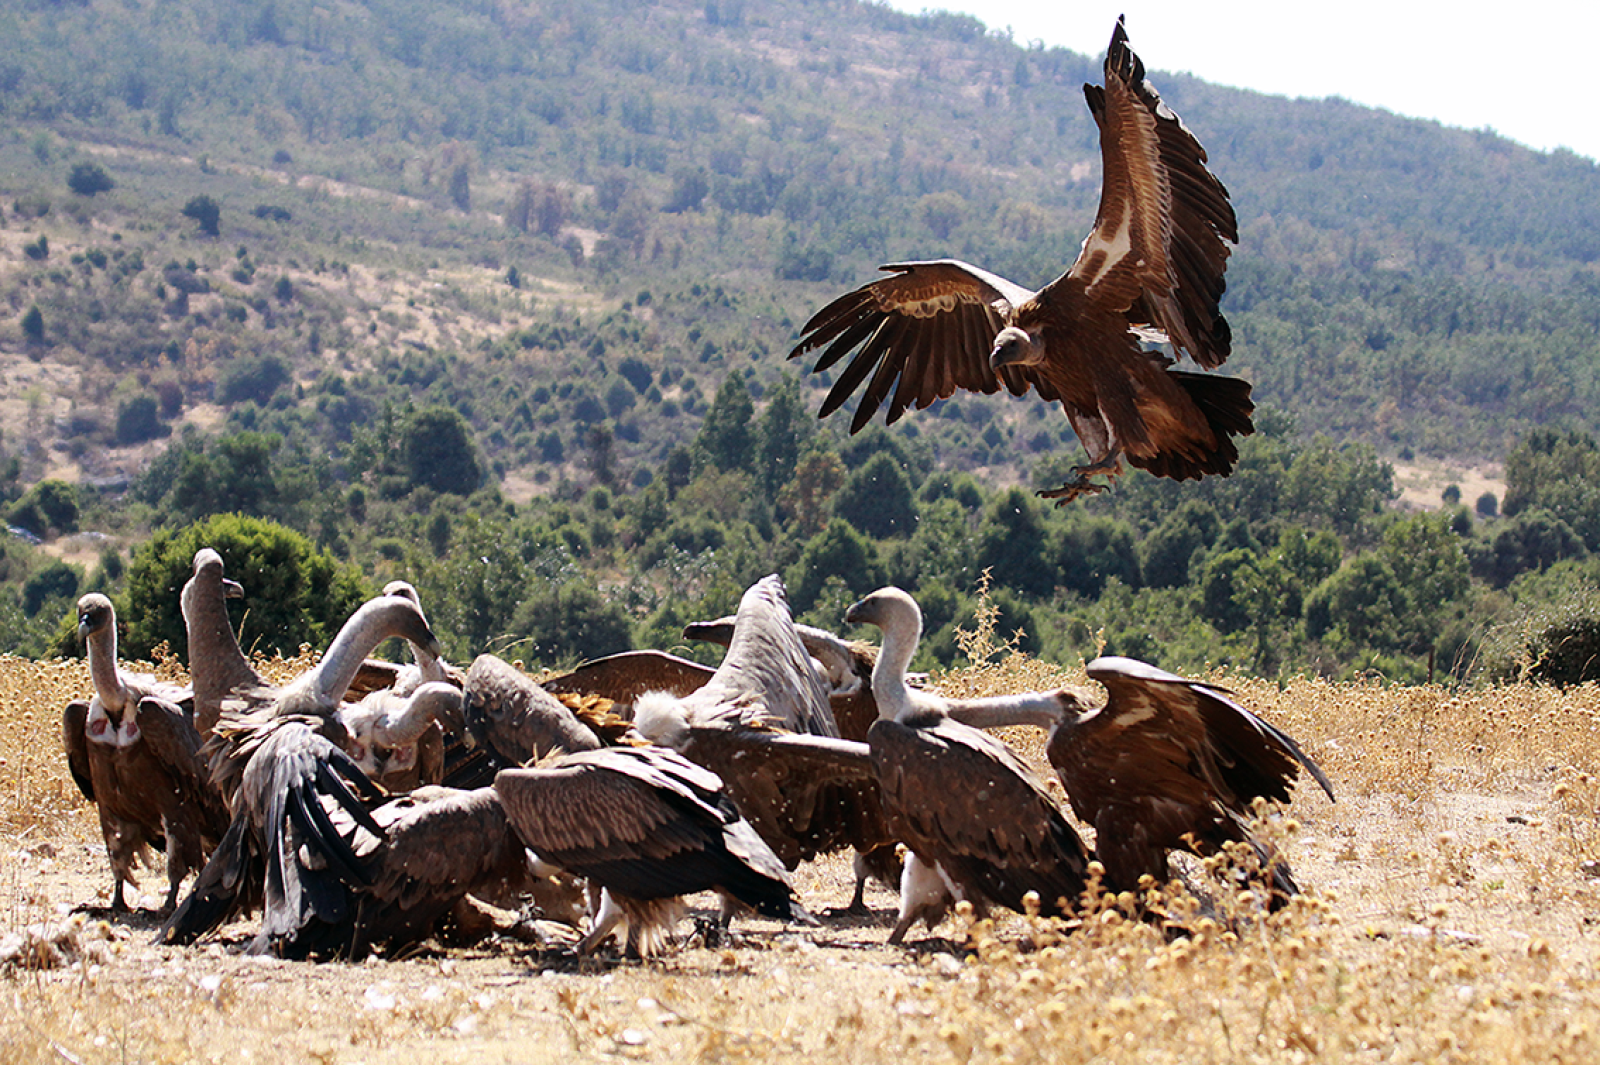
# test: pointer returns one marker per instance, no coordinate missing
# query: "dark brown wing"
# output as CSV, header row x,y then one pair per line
x,y
643,822
804,795
75,739
1160,243
624,677
441,844
961,799
923,332
515,718
1240,756
170,736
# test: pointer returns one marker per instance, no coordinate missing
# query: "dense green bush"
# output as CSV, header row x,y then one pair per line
x,y
294,594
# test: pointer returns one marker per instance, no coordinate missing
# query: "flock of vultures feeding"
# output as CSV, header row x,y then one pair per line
x,y
364,807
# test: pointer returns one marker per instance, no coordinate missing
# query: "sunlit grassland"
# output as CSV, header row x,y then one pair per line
x,y
1447,917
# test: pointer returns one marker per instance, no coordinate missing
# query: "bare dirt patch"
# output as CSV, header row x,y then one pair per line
x,y
1422,483
1448,916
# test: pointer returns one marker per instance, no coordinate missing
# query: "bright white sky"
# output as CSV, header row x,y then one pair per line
x,y
1524,71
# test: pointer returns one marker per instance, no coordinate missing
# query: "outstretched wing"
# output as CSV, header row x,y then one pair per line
x,y
1216,735
924,331
1160,242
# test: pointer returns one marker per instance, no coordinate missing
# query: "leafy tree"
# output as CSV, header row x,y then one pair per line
x,y
1167,552
782,434
439,451
1012,544
294,594
1358,606
56,580
254,378
877,499
727,437
33,325
139,419
235,474
206,213
838,551
1558,473
87,179
1090,550
1534,540
50,505
568,622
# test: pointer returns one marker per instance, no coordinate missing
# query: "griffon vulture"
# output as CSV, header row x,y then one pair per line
x,y
134,752
979,825
765,724
217,666
1166,764
648,826
1151,268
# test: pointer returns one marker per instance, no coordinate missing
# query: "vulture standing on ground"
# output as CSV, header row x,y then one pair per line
x,y
850,810
979,825
316,695
217,666
649,826
134,752
1166,764
640,822
762,723
273,802
1151,269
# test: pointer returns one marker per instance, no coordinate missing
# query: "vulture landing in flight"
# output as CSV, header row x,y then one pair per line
x,y
1151,268
979,825
1166,764
134,752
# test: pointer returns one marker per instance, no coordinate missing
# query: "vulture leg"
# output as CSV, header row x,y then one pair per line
x,y
1080,485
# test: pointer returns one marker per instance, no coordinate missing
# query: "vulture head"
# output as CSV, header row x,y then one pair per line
x,y
1016,347
95,614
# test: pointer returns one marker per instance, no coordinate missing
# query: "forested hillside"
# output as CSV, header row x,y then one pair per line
x,y
434,284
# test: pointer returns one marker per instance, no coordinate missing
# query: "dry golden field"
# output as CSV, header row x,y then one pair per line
x,y
1450,916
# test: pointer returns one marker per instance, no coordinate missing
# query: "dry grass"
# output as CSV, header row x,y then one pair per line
x,y
1448,918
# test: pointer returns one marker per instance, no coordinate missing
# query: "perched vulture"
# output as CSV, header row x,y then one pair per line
x,y
648,826
315,696
764,723
1151,269
134,752
218,667
979,825
1166,764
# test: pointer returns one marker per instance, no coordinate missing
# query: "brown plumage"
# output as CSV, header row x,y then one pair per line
x,y
1151,268
979,824
649,826
217,666
625,676
134,752
851,809
315,696
1166,764
763,724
